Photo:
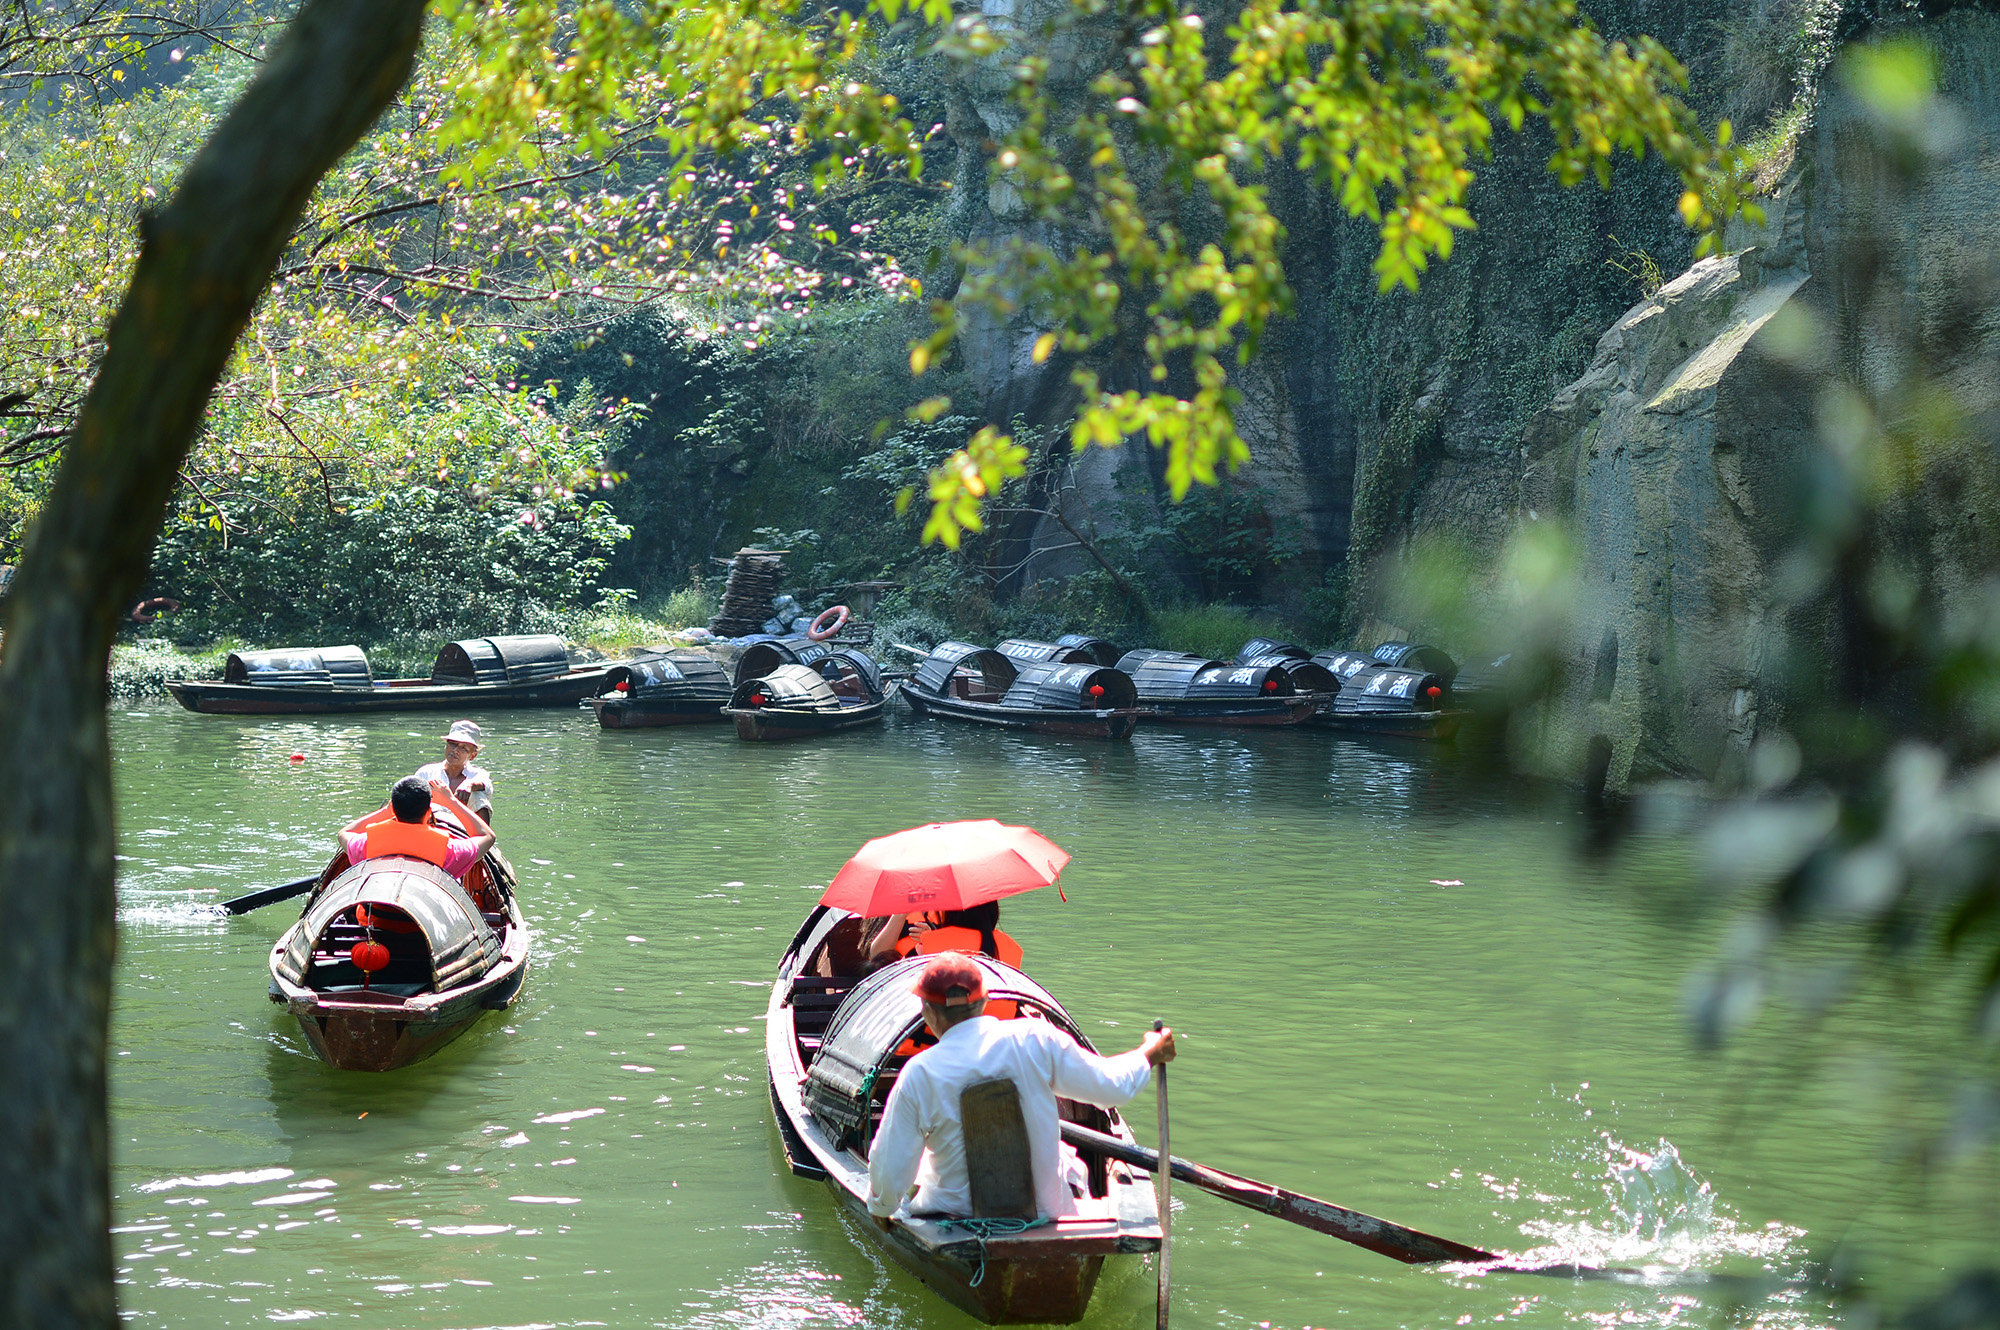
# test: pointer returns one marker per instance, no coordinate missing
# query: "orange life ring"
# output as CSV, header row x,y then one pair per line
x,y
148,610
838,614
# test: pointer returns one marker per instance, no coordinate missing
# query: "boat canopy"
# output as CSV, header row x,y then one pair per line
x,y
787,688
879,1014
854,674
462,946
669,674
1164,675
1238,681
760,658
1345,663
1051,686
1261,648
1027,650
1415,656
1101,651
300,667
497,660
995,669
1384,688
1307,676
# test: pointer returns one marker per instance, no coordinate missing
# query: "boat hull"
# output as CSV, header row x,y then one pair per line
x,y
1435,726
1106,724
619,713
781,724
1257,712
236,699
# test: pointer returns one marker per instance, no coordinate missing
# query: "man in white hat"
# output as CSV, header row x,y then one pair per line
x,y
470,785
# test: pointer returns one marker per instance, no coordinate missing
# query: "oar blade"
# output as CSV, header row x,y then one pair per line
x,y
269,895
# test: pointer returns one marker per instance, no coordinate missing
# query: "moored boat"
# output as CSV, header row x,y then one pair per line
x,y
1192,690
484,672
662,688
452,951
1384,699
960,681
834,1044
841,690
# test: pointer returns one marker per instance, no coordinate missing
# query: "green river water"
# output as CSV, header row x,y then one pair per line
x,y
1396,989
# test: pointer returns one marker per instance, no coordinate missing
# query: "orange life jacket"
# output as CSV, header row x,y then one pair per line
x,y
967,940
413,840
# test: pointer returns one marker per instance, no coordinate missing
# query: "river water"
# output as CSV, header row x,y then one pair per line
x,y
1396,988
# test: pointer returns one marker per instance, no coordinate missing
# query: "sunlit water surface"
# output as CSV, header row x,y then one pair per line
x,y
1397,990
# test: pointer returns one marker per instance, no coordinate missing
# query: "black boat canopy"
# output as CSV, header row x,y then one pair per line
x,y
1235,681
1345,663
496,660
670,674
462,945
1101,651
987,673
852,672
788,688
1259,648
1052,686
1375,689
300,667
1306,675
879,1014
1027,650
1164,675
1414,656
760,658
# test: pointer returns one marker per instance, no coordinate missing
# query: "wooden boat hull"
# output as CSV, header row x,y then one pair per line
x,y
1260,712
621,713
1435,726
235,699
1105,724
781,724
1045,1276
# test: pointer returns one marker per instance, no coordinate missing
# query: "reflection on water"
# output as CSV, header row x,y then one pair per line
x,y
1380,967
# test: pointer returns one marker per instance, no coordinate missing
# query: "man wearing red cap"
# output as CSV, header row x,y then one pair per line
x,y
921,1142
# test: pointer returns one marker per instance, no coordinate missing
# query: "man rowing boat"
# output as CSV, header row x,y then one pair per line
x,y
922,1140
403,827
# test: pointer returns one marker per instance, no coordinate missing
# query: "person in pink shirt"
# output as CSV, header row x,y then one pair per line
x,y
402,827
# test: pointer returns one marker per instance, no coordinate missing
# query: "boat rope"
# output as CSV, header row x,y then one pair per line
x,y
983,1229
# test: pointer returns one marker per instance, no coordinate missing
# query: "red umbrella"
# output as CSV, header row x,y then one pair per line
x,y
944,866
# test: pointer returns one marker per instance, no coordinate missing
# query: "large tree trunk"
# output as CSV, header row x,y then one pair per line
x,y
203,262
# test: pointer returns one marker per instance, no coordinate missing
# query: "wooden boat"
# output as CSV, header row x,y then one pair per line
x,y
1181,689
1384,699
464,952
482,673
841,690
662,688
833,1046
960,681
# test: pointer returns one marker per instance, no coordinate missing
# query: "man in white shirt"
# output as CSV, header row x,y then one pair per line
x,y
472,786
921,1140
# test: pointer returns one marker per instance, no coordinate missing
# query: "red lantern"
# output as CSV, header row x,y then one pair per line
x,y
1270,685
1097,690
622,686
757,699
368,957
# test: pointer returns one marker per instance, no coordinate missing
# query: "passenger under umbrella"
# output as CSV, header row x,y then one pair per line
x,y
918,1165
975,929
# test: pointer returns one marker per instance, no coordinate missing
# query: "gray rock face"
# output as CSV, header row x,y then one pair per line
x,y
1685,452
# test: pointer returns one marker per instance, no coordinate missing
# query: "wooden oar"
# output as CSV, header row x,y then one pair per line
x,y
1377,1235
269,895
1161,1177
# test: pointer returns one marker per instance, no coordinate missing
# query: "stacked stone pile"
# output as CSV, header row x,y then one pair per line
x,y
754,576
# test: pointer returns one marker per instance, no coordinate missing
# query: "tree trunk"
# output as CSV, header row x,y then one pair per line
x,y
203,262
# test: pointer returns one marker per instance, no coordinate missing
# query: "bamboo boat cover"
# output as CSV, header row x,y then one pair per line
x,y
1051,686
1415,656
1378,689
841,664
1345,663
763,656
1239,681
1260,648
462,945
300,667
787,688
1028,651
526,658
1101,651
671,674
996,670
1164,675
1307,676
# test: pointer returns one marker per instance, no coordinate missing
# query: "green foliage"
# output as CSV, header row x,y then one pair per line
x,y
1215,631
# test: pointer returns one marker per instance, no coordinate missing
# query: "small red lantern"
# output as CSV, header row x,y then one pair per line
x,y
622,686
1097,690
1270,685
368,957
757,699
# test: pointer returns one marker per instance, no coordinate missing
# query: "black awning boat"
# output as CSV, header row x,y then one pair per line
x,y
484,672
840,690
961,681
454,951
1194,690
1386,699
662,688
834,1044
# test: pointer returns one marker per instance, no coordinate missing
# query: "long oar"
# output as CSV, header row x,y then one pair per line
x,y
1160,1179
1378,1235
269,895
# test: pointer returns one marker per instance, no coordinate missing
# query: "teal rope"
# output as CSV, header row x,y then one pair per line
x,y
990,1228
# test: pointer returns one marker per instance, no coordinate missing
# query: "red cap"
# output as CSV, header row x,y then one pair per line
x,y
951,980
